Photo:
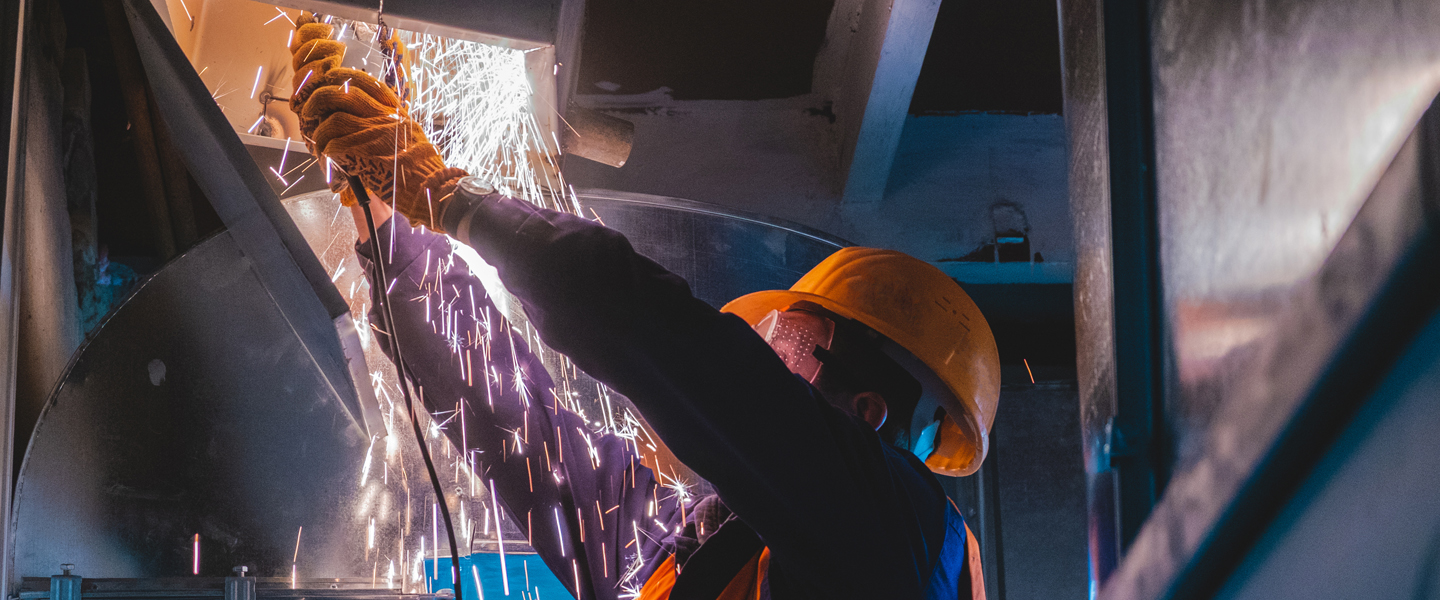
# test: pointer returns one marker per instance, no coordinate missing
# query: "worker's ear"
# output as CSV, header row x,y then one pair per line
x,y
871,408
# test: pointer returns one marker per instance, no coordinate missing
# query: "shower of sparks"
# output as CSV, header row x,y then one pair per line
x,y
476,103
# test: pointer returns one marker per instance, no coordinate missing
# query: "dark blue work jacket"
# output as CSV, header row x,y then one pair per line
x,y
844,514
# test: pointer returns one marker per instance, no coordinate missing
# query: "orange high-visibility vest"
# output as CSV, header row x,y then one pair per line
x,y
746,583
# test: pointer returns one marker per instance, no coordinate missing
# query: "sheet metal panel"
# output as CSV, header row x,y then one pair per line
x,y
1340,333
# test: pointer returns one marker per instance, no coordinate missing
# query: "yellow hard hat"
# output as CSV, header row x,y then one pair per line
x,y
924,312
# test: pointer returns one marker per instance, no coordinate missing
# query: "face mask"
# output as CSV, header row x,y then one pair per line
x,y
794,335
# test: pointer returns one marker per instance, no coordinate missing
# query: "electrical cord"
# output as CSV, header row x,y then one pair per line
x,y
388,317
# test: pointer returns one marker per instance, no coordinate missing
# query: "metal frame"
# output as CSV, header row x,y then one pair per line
x,y
246,204
1139,445
10,248
1373,302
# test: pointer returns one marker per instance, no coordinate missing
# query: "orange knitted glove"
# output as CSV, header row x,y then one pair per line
x,y
361,125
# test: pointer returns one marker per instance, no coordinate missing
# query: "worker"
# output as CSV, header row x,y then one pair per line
x,y
788,402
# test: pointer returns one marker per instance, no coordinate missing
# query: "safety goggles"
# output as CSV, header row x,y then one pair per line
x,y
794,335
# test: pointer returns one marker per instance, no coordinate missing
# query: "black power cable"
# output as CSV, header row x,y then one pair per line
x,y
363,197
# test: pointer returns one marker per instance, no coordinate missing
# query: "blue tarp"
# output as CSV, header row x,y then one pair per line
x,y
540,584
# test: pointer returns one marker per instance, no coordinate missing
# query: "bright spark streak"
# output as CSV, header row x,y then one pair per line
x,y
195,568
500,539
292,184
488,127
258,120
283,153
559,533
256,85
364,470
435,531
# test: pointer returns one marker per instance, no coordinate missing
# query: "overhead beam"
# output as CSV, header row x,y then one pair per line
x,y
884,62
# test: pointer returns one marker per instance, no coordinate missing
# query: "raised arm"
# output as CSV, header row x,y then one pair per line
x,y
583,499
717,395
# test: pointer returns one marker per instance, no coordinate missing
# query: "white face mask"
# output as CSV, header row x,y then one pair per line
x,y
794,335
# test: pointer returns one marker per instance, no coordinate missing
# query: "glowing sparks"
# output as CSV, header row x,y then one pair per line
x,y
559,531
256,85
500,539
195,556
187,13
475,102
283,153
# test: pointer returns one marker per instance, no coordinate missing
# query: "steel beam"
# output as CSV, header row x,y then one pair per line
x,y
1139,448
885,59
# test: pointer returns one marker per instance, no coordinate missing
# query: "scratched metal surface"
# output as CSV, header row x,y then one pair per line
x,y
1274,122
1274,119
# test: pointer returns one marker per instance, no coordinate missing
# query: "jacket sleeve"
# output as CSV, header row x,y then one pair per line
x,y
818,485
583,499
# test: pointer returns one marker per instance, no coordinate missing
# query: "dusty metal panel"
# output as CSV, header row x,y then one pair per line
x,y
232,182
195,408
1341,332
49,320
1274,119
1367,525
1087,127
11,248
